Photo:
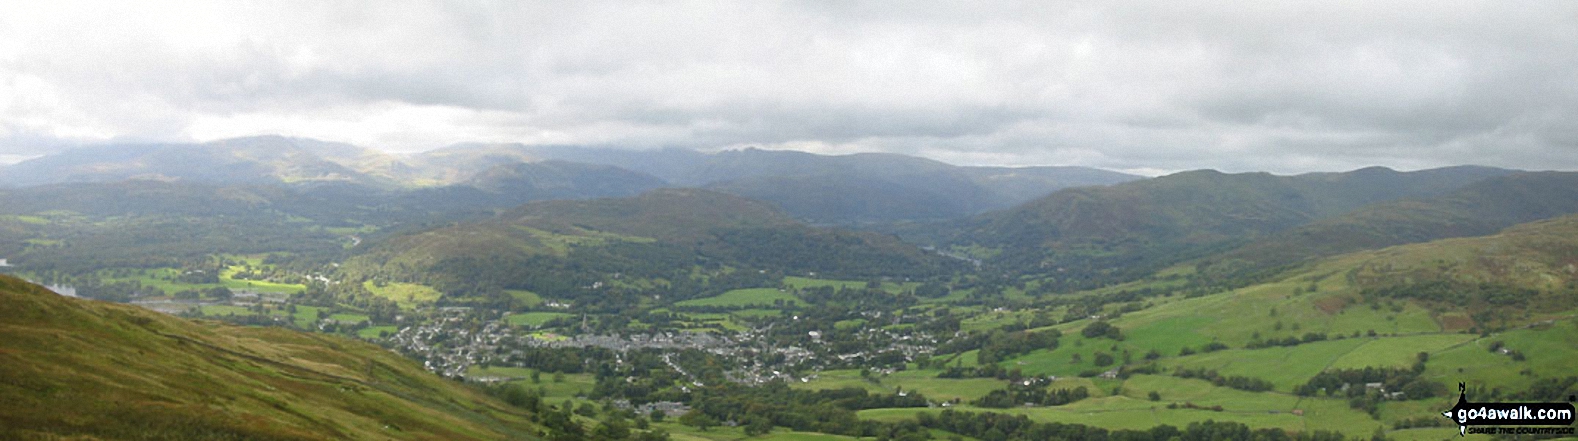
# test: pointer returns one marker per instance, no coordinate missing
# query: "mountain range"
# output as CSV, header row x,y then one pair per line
x,y
816,188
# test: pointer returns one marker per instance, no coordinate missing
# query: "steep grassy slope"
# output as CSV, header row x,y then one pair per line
x,y
1515,290
1523,275
79,368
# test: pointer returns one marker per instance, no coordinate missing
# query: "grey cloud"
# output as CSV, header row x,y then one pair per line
x,y
1285,87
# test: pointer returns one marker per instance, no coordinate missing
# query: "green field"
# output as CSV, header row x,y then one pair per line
x,y
226,279
744,298
1284,367
796,282
679,432
371,332
223,310
756,313
1397,351
349,318
305,316
1549,349
533,319
163,280
407,295
527,298
701,321
924,381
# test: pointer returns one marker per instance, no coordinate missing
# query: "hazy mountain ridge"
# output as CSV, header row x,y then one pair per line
x,y
1478,209
844,189
1138,227
654,235
264,159
864,187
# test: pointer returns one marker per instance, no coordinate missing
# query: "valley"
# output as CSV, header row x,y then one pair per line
x,y
693,304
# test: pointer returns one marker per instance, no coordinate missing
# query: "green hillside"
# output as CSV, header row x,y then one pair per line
x,y
1099,235
77,368
1497,312
1478,209
565,249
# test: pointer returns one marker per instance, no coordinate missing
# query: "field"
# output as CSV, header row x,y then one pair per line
x,y
533,319
527,298
678,432
372,332
807,282
349,318
163,279
1284,367
1133,410
743,298
407,295
923,381
305,316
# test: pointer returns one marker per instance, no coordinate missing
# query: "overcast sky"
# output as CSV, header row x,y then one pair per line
x,y
1138,86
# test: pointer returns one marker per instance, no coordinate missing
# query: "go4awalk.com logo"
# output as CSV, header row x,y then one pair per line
x,y
1556,417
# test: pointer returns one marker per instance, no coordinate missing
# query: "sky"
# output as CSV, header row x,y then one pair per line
x,y
1146,87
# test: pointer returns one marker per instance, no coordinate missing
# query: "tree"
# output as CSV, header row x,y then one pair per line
x,y
698,420
1101,328
1103,359
613,428
758,426
655,435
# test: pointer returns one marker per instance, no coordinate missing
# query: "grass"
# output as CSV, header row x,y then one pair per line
x,y
755,313
122,372
227,279
305,316
1397,351
163,279
372,332
797,282
349,318
527,298
743,298
555,392
679,432
533,319
923,381
407,295
1284,367
1133,411
1549,351
223,310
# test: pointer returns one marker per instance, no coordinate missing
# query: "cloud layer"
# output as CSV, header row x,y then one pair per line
x,y
1134,86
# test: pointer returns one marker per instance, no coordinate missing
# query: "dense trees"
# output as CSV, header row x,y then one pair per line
x,y
1031,395
1233,381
